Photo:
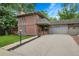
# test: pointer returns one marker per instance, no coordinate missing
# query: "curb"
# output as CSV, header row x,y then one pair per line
x,y
17,44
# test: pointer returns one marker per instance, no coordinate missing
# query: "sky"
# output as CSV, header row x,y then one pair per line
x,y
51,8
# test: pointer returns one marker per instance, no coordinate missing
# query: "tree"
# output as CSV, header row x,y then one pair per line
x,y
8,14
52,19
29,7
46,15
68,12
77,15
7,19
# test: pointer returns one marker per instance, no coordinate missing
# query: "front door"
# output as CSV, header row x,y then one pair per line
x,y
43,30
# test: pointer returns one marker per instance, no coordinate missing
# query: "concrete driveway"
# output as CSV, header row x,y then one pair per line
x,y
49,45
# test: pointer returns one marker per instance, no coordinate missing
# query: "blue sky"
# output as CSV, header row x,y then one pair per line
x,y
51,8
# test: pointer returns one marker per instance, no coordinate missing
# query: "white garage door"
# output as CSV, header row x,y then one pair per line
x,y
59,30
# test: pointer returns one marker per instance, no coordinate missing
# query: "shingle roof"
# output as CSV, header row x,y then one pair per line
x,y
30,13
43,22
65,21
45,19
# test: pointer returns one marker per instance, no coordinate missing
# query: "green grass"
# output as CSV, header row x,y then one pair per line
x,y
9,39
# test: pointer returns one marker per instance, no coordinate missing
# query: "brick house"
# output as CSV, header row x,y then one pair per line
x,y
37,24
33,24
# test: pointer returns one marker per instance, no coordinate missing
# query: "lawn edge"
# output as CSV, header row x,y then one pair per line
x,y
17,43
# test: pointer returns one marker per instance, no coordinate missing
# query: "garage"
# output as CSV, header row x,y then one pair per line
x,y
59,29
65,27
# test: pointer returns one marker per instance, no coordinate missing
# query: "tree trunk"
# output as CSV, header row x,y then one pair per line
x,y
6,32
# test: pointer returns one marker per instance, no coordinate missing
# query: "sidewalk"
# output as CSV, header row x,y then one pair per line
x,y
17,43
6,53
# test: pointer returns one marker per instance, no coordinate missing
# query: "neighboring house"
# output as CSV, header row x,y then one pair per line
x,y
37,24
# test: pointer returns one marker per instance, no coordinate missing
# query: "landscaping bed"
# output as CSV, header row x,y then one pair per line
x,y
9,39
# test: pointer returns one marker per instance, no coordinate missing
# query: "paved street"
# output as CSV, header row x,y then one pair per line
x,y
55,45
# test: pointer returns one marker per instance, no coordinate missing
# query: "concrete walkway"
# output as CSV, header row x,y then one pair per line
x,y
7,53
17,43
50,45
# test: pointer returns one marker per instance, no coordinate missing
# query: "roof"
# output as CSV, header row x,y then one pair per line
x,y
72,21
43,22
22,14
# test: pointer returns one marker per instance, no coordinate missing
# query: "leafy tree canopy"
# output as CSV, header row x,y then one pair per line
x,y
69,11
8,12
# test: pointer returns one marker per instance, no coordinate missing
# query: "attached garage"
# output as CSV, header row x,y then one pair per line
x,y
62,29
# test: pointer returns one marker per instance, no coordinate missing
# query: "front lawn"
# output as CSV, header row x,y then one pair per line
x,y
9,39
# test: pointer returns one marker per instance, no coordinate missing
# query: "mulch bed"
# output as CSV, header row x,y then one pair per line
x,y
76,38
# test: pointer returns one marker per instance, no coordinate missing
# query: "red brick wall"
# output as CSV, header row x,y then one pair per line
x,y
31,27
31,20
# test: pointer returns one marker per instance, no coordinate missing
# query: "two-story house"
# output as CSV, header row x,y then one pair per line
x,y
35,23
